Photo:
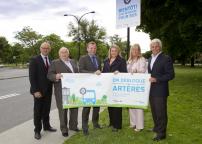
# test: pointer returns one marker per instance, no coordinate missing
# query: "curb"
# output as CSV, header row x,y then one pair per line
x,y
12,77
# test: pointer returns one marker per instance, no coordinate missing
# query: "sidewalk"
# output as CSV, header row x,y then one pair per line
x,y
9,73
24,134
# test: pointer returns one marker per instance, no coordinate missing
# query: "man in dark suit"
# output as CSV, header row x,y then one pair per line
x,y
63,65
90,63
161,69
41,89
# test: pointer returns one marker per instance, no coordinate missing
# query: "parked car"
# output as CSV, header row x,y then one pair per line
x,y
1,65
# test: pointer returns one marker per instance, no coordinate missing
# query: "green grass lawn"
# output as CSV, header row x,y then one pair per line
x,y
184,112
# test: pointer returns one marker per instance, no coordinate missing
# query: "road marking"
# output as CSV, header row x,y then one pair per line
x,y
8,96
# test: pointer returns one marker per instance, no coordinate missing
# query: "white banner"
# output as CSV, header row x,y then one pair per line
x,y
107,89
127,13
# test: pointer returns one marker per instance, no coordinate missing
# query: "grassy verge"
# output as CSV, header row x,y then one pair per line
x,y
184,111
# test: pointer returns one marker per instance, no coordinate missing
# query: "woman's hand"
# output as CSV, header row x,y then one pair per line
x,y
116,72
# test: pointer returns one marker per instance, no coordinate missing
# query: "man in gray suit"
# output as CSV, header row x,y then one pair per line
x,y
90,63
161,69
63,65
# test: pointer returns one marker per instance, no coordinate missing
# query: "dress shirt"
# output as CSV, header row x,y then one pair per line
x,y
153,59
69,65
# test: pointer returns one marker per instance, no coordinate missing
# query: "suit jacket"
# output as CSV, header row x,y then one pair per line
x,y
119,64
58,66
86,65
38,77
163,71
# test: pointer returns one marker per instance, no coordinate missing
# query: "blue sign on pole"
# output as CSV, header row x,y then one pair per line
x,y
127,13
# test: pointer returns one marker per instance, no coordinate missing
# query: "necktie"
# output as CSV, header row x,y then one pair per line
x,y
46,63
94,62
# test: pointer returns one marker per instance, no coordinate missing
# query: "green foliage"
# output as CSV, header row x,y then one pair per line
x,y
184,114
29,38
147,54
73,49
88,31
18,53
56,43
177,23
102,50
119,42
5,50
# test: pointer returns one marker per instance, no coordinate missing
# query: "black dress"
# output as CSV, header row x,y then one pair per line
x,y
115,114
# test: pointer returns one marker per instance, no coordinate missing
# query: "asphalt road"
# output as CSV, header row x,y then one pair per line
x,y
16,103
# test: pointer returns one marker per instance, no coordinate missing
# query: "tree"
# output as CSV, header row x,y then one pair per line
x,y
56,43
118,41
17,52
28,38
177,23
147,54
72,49
5,51
88,31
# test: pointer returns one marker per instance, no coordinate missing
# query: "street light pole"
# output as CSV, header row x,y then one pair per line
x,y
78,20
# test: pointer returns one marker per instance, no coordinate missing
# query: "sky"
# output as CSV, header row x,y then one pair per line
x,y
47,17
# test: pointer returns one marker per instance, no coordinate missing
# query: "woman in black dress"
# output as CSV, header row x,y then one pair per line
x,y
114,64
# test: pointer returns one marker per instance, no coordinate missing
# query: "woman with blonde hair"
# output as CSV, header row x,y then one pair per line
x,y
136,64
114,64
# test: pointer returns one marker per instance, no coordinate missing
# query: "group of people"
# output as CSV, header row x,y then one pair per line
x,y
43,73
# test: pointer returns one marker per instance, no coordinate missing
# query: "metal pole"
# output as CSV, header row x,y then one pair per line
x,y
78,19
128,42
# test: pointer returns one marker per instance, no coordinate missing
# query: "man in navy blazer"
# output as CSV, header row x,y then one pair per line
x,y
41,89
90,63
160,67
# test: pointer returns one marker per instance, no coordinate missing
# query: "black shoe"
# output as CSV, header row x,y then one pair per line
x,y
114,129
37,135
50,129
97,127
158,138
65,134
85,132
76,130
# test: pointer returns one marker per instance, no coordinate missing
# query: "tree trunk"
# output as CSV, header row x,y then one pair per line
x,y
192,61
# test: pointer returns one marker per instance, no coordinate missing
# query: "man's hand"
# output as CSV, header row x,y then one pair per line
x,y
58,76
98,72
37,95
152,80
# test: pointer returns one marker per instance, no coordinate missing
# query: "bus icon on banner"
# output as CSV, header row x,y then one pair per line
x,y
89,96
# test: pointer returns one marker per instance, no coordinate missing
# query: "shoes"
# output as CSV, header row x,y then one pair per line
x,y
50,129
97,127
158,138
76,130
85,132
65,134
114,129
37,135
137,130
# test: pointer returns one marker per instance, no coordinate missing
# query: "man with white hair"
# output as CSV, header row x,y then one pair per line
x,y
41,89
160,67
63,65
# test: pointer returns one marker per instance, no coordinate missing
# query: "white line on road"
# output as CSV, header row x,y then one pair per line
x,y
8,96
